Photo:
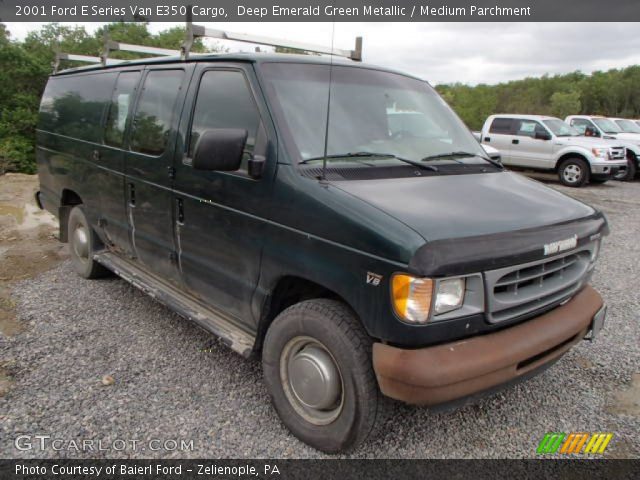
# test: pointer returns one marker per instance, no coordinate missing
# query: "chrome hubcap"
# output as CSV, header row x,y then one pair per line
x,y
311,380
81,243
572,173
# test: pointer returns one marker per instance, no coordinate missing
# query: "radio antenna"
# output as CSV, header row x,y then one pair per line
x,y
323,178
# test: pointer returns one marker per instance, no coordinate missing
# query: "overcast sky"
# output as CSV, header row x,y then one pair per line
x,y
457,52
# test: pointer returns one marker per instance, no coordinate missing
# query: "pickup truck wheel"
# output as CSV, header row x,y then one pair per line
x,y
630,173
573,172
316,359
82,245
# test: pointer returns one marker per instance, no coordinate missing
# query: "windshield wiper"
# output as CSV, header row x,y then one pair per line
x,y
461,154
371,155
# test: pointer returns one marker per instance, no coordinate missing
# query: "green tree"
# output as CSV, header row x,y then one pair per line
x,y
565,103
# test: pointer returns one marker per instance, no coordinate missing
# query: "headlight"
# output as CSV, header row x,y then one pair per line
x,y
449,295
413,296
600,152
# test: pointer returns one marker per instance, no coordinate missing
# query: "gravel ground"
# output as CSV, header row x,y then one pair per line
x,y
172,381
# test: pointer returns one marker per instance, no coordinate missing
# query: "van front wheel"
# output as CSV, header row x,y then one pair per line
x,y
573,172
82,245
316,359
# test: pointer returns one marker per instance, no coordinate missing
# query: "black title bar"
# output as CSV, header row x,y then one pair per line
x,y
320,11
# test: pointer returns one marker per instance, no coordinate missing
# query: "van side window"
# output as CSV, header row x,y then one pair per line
x,y
152,120
73,105
225,101
501,126
119,108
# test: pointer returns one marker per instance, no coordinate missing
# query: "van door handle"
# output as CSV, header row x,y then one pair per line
x,y
180,211
487,139
132,195
515,141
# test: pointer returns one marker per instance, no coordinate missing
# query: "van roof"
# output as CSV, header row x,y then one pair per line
x,y
250,57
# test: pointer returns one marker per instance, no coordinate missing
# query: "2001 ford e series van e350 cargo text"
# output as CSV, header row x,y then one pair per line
x,y
411,267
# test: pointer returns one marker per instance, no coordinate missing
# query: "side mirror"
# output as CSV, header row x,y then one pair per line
x,y
220,149
255,166
541,135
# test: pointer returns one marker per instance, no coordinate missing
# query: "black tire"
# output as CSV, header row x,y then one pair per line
x,y
630,173
573,172
83,243
362,408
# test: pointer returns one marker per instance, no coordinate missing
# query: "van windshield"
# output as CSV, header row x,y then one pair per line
x,y
370,112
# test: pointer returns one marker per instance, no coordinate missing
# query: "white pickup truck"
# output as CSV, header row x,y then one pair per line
x,y
536,142
610,129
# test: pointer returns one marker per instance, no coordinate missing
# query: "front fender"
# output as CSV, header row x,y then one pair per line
x,y
575,151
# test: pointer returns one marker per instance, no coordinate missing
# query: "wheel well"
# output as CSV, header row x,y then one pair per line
x,y
288,291
572,155
68,200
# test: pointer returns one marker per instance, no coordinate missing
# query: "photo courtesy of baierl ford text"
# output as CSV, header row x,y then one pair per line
x,y
323,240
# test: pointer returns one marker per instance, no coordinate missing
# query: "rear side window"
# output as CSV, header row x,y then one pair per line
x,y
152,121
501,125
119,109
225,101
74,105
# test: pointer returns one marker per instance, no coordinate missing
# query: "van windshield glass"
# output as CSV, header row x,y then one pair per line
x,y
560,128
370,111
606,125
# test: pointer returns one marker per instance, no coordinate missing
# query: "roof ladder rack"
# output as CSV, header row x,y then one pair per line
x,y
81,58
199,31
110,45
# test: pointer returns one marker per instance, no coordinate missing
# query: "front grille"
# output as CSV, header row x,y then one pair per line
x,y
522,289
617,153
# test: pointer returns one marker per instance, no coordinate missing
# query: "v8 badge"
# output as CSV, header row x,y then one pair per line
x,y
373,279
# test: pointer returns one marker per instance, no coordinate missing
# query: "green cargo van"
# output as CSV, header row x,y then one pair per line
x,y
277,201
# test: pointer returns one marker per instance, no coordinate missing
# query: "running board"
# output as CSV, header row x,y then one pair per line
x,y
238,339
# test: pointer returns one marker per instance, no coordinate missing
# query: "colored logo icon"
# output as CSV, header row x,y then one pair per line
x,y
574,443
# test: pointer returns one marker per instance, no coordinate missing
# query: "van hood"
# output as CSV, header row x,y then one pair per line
x,y
454,206
475,222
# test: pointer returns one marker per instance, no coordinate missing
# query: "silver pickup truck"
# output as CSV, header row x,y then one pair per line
x,y
620,130
536,142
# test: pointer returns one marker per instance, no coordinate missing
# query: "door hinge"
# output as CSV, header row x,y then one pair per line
x,y
172,172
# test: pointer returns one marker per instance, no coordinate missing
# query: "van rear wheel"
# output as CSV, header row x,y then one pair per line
x,y
82,245
317,366
573,172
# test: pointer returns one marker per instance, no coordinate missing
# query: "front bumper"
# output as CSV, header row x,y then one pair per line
x,y
452,371
606,170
